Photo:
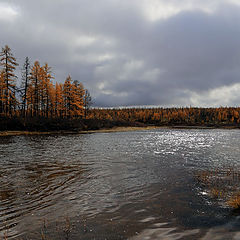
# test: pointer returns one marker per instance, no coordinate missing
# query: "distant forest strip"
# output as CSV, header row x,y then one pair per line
x,y
188,116
97,118
34,103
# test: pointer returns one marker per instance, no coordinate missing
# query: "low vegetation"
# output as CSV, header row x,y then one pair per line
x,y
221,184
234,201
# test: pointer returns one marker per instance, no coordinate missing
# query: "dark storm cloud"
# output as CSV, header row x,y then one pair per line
x,y
122,57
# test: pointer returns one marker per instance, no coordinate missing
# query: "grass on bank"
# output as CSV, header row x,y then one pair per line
x,y
222,184
234,201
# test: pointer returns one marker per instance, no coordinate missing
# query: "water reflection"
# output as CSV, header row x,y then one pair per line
x,y
115,185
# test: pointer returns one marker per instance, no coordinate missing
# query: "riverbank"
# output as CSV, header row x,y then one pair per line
x,y
109,130
104,130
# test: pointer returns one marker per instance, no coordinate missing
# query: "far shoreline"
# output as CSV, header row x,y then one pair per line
x,y
110,130
103,130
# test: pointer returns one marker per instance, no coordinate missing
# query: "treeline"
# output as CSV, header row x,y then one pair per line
x,y
35,95
34,102
223,116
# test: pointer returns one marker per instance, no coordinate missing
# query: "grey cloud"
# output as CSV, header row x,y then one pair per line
x,y
122,57
196,51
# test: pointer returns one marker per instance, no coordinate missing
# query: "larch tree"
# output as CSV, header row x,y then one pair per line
x,y
51,100
59,100
25,84
87,101
77,99
35,82
44,90
67,95
8,63
48,91
30,100
2,93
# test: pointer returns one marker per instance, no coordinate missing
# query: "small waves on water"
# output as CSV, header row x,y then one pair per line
x,y
32,181
129,185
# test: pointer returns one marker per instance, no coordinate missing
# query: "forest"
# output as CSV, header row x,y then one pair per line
x,y
34,102
187,116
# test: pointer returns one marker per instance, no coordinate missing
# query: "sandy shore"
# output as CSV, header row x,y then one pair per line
x,y
120,129
114,129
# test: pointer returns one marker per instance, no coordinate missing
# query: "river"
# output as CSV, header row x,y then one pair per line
x,y
120,185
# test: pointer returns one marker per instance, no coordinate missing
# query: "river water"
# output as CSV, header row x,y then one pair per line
x,y
123,185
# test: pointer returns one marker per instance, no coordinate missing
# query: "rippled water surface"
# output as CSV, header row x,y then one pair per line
x,y
124,185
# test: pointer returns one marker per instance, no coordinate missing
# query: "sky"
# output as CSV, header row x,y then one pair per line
x,y
168,53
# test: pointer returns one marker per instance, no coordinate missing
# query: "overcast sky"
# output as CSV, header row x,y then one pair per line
x,y
133,52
